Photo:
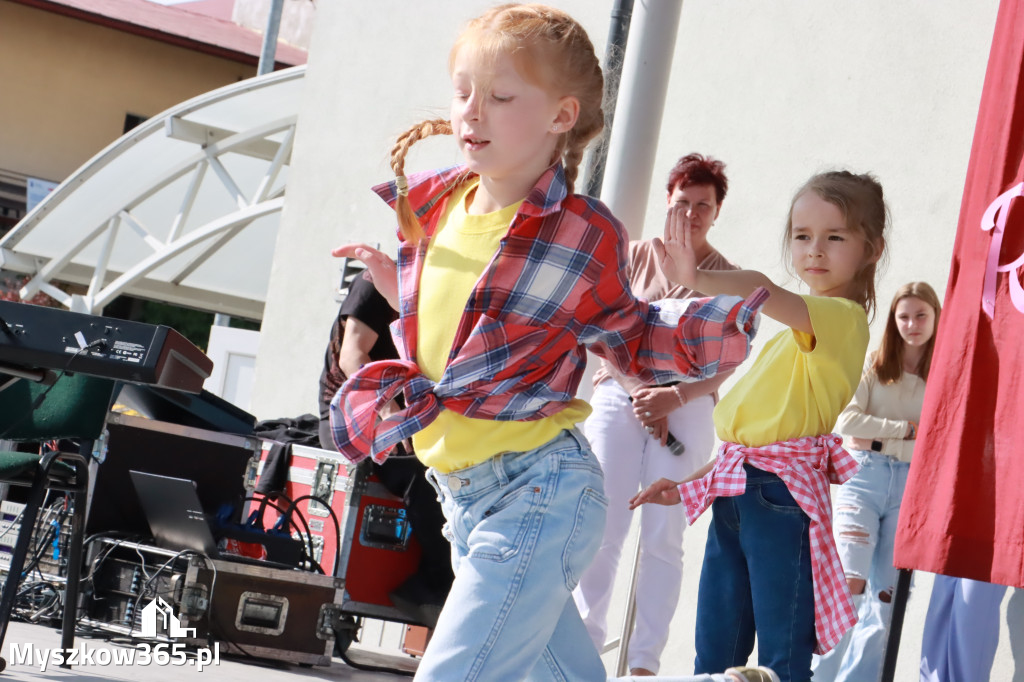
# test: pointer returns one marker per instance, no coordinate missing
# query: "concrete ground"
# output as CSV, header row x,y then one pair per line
x,y
379,646
39,640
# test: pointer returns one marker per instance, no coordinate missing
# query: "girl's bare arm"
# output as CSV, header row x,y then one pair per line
x,y
665,491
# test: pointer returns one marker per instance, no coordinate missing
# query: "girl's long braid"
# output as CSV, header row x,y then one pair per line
x,y
408,223
578,73
576,141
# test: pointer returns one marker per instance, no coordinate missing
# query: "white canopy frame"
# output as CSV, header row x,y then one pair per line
x,y
146,217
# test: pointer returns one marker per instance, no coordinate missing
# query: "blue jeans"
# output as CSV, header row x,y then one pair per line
x,y
961,630
523,527
867,508
757,576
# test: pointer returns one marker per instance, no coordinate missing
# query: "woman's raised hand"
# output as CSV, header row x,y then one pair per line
x,y
381,268
678,259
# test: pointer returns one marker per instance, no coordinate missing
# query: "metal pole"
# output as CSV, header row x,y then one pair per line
x,y
614,52
269,48
634,142
629,619
899,608
266,64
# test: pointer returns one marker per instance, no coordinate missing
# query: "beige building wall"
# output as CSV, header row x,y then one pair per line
x,y
297,19
67,85
778,90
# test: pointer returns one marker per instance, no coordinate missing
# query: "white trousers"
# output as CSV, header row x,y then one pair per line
x,y
632,459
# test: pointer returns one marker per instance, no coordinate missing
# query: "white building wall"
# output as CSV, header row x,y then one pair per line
x,y
777,90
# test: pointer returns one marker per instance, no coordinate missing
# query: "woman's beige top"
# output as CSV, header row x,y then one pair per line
x,y
882,411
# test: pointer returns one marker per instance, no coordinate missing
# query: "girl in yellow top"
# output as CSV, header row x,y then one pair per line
x,y
506,278
770,561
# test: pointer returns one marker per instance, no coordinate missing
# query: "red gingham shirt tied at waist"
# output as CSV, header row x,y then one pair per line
x,y
807,466
555,288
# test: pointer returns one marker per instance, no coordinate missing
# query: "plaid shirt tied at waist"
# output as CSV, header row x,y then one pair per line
x,y
807,466
359,431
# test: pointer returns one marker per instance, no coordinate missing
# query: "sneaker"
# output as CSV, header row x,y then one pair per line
x,y
759,674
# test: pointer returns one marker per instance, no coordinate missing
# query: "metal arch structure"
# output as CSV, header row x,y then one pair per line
x,y
182,209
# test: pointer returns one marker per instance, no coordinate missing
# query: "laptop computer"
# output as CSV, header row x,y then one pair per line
x,y
177,520
174,513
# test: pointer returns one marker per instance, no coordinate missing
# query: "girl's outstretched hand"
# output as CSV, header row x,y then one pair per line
x,y
678,259
663,491
381,268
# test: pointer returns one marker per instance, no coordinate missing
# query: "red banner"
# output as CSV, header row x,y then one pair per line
x,y
963,511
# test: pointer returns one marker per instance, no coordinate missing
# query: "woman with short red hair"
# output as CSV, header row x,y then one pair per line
x,y
641,433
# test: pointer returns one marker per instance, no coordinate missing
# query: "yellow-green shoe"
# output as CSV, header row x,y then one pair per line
x,y
759,674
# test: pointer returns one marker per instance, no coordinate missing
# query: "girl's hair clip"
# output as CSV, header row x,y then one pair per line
x,y
403,186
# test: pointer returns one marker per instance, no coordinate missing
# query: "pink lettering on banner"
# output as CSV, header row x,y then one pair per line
x,y
997,224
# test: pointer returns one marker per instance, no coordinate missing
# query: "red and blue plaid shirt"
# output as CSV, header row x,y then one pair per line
x,y
555,287
807,465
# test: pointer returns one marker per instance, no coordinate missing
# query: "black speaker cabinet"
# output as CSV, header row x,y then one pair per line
x,y
223,465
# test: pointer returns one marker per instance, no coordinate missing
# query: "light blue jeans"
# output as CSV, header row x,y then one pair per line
x,y
523,527
961,630
869,504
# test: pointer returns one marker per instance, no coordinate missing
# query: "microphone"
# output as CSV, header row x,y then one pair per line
x,y
674,446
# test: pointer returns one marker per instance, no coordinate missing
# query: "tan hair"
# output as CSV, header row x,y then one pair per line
x,y
887,361
861,201
551,50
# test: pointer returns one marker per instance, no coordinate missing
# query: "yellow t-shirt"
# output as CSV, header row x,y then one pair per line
x,y
460,249
800,383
